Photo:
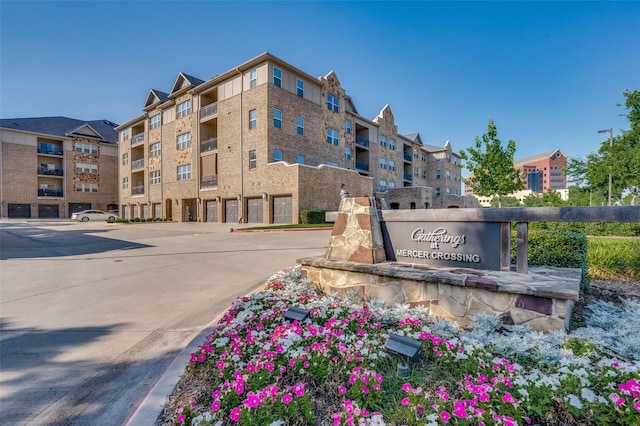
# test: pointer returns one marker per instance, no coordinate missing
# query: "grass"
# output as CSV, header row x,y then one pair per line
x,y
295,226
614,258
257,369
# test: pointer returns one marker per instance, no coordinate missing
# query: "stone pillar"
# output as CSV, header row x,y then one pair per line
x,y
357,236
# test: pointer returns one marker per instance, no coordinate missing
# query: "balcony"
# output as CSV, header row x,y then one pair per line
x,y
137,139
209,181
407,157
50,151
362,141
137,164
137,190
209,110
49,193
362,166
49,172
210,144
407,176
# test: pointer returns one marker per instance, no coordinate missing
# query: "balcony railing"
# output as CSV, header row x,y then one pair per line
x,y
137,138
362,141
407,176
209,181
137,190
362,166
56,151
209,145
137,164
49,193
209,110
49,172
407,157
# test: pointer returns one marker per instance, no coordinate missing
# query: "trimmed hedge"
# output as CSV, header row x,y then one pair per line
x,y
312,216
630,229
553,248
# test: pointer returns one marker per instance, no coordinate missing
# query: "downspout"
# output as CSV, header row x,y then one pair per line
x,y
241,200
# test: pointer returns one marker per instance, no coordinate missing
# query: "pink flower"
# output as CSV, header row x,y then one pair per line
x,y
202,357
616,398
364,379
459,410
405,401
484,397
342,389
336,419
636,405
445,416
365,390
406,387
252,400
235,414
286,398
215,406
239,388
181,418
352,379
508,421
508,398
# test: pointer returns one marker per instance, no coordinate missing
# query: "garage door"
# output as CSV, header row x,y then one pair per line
x,y
282,210
78,207
231,211
48,210
212,211
254,208
19,210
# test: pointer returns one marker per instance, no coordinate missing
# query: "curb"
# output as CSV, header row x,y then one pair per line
x,y
282,230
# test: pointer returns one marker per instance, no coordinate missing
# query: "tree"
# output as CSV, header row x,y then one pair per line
x,y
492,171
533,200
552,198
505,202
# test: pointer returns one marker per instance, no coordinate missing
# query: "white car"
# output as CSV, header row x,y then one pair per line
x,y
88,215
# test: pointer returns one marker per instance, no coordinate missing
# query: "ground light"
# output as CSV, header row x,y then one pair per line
x,y
296,314
405,350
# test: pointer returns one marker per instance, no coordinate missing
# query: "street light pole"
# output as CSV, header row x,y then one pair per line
x,y
610,130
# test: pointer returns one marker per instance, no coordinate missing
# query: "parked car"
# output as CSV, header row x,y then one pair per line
x,y
88,215
116,213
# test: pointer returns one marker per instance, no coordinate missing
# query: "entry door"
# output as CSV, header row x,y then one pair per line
x,y
254,208
212,211
282,210
231,211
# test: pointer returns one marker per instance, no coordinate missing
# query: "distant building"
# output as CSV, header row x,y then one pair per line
x,y
541,172
54,166
263,141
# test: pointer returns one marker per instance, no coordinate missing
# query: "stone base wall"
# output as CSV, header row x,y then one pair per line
x,y
542,299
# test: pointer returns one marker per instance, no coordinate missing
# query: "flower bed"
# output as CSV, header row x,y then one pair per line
x,y
257,369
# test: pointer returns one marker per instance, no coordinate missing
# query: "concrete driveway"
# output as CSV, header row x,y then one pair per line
x,y
91,314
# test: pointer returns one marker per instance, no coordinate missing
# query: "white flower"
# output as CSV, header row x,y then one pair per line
x,y
588,394
574,400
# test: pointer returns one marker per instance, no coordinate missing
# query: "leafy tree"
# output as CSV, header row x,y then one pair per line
x,y
579,196
533,200
552,198
493,172
505,202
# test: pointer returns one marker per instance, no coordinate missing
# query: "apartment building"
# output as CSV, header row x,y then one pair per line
x,y
55,166
258,144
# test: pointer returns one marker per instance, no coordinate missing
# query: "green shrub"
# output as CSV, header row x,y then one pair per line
x,y
630,229
312,216
553,248
617,258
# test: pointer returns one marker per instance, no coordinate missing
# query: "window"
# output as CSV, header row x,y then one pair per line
x,y
383,141
277,77
438,174
184,108
252,119
125,182
300,126
415,171
252,159
448,157
448,190
383,163
347,153
392,184
332,136
392,144
392,165
184,140
86,187
154,177
86,168
424,174
253,78
300,87
424,156
383,185
184,172
448,175
333,103
125,134
415,153
300,159
277,155
154,149
333,164
154,122
277,119
347,126
125,158
437,192
86,148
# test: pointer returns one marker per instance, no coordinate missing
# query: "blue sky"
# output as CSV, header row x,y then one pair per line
x,y
550,74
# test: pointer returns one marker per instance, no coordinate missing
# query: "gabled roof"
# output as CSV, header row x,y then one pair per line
x,y
184,81
538,157
333,77
415,137
104,130
155,97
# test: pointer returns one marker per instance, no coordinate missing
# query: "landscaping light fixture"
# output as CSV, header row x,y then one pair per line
x,y
406,349
296,314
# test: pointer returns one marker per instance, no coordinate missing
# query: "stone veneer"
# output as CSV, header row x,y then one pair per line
x,y
355,260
